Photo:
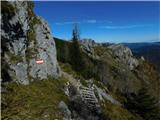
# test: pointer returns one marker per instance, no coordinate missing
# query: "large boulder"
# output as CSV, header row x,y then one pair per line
x,y
64,109
26,38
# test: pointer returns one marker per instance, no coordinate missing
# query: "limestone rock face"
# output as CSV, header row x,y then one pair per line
x,y
46,51
26,38
124,54
87,46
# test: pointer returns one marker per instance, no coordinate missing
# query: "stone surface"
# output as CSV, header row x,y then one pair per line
x,y
66,112
87,46
18,20
103,95
124,54
46,51
21,73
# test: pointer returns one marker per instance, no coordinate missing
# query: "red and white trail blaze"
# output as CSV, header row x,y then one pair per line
x,y
39,61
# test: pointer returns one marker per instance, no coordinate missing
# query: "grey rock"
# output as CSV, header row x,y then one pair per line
x,y
103,95
124,54
46,51
142,58
66,112
14,37
87,46
15,40
21,73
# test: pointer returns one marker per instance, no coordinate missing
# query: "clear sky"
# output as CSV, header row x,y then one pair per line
x,y
103,21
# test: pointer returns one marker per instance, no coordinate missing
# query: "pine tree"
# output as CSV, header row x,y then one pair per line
x,y
144,104
76,56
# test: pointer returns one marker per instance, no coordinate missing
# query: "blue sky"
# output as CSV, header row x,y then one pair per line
x,y
103,21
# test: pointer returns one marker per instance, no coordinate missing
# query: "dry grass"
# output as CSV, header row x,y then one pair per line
x,y
37,101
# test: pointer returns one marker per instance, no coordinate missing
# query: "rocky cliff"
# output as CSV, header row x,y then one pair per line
x,y
25,39
124,55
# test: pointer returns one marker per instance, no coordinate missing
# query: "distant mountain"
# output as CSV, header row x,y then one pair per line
x,y
143,44
150,51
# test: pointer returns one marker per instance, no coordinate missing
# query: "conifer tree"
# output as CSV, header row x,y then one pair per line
x,y
76,55
144,104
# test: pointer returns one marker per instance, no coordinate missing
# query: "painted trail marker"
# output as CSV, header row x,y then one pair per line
x,y
39,61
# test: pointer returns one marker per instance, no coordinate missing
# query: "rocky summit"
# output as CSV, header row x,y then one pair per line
x,y
48,78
